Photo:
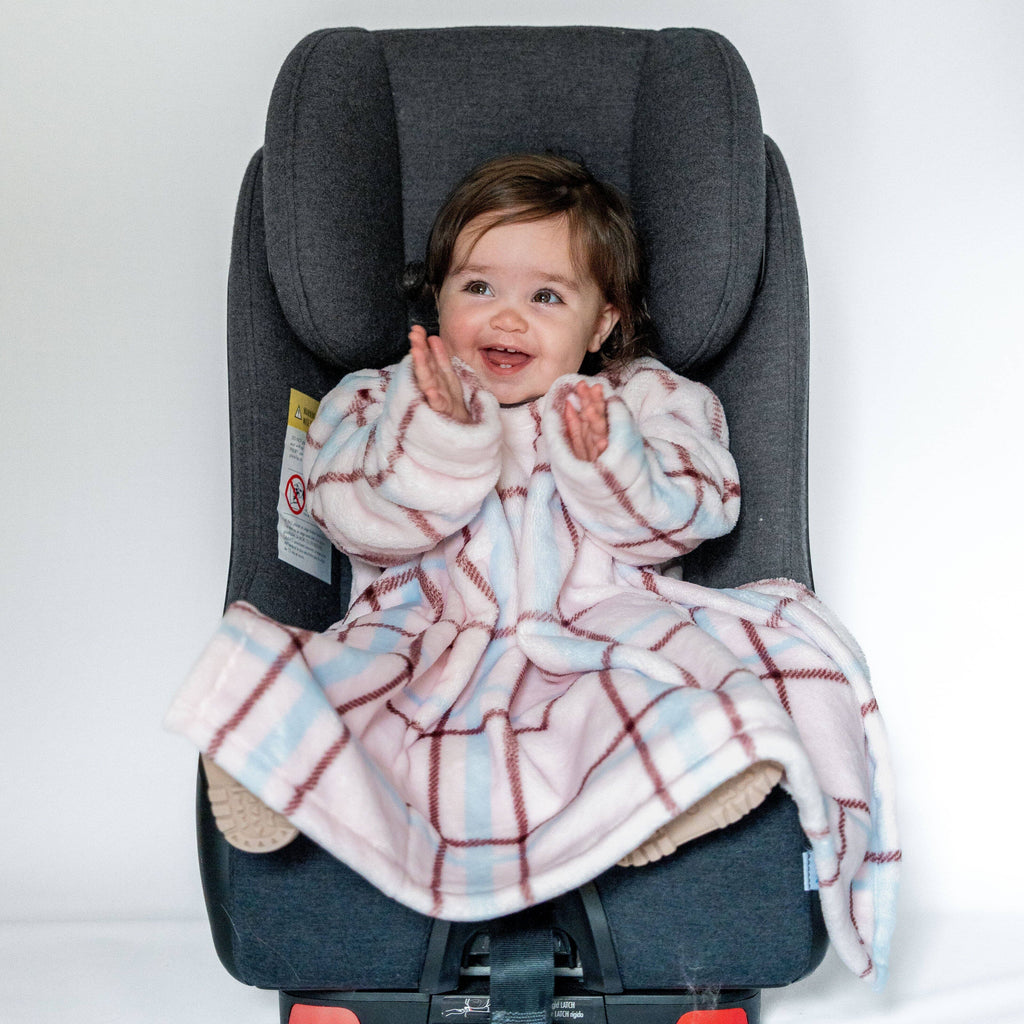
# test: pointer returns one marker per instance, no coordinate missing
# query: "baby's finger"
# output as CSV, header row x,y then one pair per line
x,y
429,374
418,345
573,428
422,363
448,380
595,411
440,352
581,441
592,396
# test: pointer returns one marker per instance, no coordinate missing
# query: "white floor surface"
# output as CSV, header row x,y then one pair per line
x,y
968,970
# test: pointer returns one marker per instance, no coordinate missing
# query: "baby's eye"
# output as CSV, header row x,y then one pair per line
x,y
547,296
478,288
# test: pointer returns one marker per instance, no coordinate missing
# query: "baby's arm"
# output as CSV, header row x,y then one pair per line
x,y
665,481
387,476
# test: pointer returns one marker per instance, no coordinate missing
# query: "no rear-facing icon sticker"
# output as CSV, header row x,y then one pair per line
x,y
295,494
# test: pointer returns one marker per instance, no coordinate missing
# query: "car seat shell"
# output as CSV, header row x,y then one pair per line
x,y
339,197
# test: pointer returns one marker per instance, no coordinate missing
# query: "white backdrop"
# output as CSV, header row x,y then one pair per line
x,y
124,131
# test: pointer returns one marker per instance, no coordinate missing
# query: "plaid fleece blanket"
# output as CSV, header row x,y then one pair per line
x,y
516,698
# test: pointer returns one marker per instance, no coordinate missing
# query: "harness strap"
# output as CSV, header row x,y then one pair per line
x,y
522,968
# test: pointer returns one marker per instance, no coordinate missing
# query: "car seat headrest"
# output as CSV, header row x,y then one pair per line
x,y
368,131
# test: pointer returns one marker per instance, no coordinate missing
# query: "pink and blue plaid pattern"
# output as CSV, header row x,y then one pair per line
x,y
517,698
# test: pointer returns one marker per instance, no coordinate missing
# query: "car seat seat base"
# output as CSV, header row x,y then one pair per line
x,y
740,1006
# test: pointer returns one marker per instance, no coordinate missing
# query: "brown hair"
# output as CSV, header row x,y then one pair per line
x,y
525,187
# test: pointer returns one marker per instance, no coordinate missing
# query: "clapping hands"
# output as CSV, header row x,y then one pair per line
x,y
586,426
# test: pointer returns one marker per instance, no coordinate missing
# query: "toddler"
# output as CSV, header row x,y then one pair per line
x,y
517,697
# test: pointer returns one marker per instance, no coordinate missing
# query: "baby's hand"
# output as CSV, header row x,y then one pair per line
x,y
435,375
588,427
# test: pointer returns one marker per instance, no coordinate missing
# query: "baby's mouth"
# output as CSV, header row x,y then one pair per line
x,y
503,359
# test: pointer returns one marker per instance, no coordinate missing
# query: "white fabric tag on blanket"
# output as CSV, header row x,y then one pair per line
x,y
300,542
810,873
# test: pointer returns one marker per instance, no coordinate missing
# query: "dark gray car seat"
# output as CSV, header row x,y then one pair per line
x,y
366,133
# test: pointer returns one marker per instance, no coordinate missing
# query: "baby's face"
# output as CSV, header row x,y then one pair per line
x,y
516,310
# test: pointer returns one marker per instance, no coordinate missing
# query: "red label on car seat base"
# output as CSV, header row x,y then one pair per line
x,y
321,1015
731,1016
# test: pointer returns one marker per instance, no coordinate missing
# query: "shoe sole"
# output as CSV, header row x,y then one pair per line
x,y
721,807
246,822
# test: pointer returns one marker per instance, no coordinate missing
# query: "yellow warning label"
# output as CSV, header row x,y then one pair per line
x,y
301,410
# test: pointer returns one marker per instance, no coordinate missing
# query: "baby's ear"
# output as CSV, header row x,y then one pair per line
x,y
606,321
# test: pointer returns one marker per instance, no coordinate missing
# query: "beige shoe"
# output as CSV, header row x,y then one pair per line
x,y
721,807
247,823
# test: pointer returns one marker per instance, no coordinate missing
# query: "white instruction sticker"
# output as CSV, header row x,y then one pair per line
x,y
300,541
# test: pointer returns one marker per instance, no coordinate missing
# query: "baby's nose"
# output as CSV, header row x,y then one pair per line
x,y
509,319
